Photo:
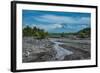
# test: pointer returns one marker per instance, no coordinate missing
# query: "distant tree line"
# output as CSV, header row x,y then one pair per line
x,y
83,33
41,34
35,32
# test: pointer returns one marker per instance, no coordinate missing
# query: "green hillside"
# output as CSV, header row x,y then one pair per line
x,y
84,33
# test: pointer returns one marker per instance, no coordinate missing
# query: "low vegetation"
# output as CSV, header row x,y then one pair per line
x,y
84,33
41,33
35,32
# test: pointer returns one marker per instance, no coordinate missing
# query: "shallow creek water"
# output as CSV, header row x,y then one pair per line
x,y
61,52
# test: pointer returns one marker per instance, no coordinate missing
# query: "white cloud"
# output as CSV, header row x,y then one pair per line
x,y
57,26
47,27
63,19
56,22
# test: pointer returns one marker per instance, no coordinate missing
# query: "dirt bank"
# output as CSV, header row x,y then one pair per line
x,y
37,50
78,53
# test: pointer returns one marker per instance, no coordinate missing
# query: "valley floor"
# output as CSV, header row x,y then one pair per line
x,y
55,49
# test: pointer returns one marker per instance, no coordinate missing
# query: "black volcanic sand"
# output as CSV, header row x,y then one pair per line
x,y
37,50
78,53
81,48
43,50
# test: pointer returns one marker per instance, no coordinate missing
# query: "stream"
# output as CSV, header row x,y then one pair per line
x,y
61,52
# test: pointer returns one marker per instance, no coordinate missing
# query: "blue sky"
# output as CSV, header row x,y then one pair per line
x,y
53,21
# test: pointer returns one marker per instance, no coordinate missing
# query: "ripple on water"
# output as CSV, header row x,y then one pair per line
x,y
61,52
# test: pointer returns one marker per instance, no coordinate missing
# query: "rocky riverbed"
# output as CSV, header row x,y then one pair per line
x,y
53,49
37,50
78,54
81,49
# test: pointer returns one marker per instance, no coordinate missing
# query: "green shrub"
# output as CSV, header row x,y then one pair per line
x,y
35,32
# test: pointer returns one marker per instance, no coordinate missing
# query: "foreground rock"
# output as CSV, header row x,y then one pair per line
x,y
37,50
79,53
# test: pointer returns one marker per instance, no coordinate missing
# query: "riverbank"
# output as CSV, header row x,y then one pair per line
x,y
37,50
79,53
81,48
